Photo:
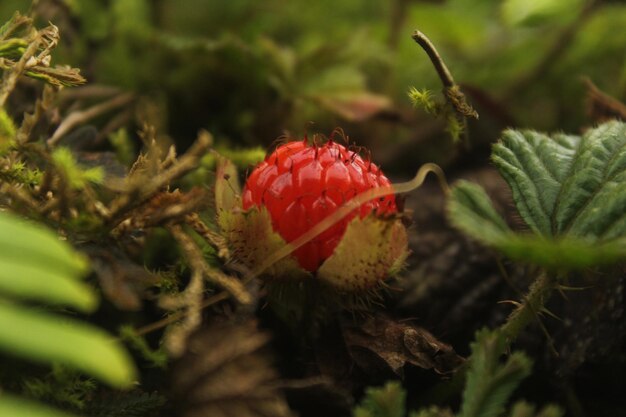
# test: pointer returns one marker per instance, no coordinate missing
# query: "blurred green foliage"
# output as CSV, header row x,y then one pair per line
x,y
248,71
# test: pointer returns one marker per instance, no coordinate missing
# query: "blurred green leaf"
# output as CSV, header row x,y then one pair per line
x,y
523,409
470,210
533,12
32,244
35,282
46,338
7,130
490,383
17,407
76,176
432,411
385,401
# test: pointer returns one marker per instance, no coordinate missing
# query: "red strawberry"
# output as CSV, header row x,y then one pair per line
x,y
301,184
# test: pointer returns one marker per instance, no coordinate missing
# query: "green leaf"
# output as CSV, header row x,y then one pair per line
x,y
76,176
17,407
47,338
30,243
7,129
30,281
471,211
571,192
490,383
385,401
535,166
532,12
567,185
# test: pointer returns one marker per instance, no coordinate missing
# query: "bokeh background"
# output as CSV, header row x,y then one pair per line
x,y
250,71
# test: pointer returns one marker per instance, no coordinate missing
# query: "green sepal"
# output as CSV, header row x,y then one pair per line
x,y
371,250
252,240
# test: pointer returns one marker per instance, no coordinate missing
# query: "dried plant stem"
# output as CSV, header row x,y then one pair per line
x,y
214,239
451,91
440,66
11,76
173,318
137,190
81,116
197,263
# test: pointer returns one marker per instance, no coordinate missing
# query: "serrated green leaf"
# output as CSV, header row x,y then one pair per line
x,y
592,200
385,401
568,186
29,281
471,211
571,192
490,383
18,407
30,243
534,166
47,338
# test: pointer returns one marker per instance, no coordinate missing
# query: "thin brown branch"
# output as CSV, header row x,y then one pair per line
x,y
9,80
196,260
442,70
79,117
214,239
451,91
173,318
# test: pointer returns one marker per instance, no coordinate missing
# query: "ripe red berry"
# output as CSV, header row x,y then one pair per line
x,y
301,184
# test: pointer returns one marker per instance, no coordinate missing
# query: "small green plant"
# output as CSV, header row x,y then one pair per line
x,y
570,191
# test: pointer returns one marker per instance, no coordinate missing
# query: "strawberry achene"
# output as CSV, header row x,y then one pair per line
x,y
301,184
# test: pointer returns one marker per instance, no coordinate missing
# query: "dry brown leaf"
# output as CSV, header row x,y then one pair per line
x,y
398,344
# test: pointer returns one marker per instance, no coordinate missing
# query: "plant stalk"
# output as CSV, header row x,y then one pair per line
x,y
539,292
